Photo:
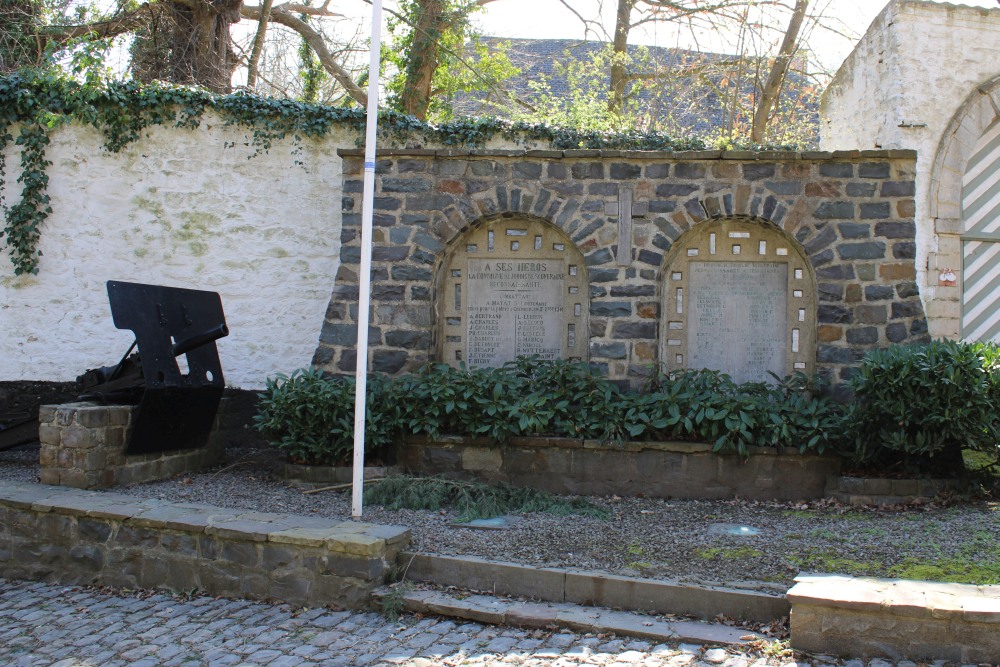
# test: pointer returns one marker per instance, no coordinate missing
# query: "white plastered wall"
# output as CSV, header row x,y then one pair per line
x,y
186,208
905,82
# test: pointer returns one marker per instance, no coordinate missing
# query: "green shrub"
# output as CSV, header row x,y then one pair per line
x,y
310,416
917,407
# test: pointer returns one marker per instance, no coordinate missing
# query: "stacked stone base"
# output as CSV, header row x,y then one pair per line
x,y
70,536
83,446
843,615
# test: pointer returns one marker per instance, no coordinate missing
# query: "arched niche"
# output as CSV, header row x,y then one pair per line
x,y
510,287
738,296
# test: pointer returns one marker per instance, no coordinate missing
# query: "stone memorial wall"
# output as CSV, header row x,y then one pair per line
x,y
512,287
844,219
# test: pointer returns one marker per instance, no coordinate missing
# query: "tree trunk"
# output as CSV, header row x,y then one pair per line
x,y
769,94
258,44
425,57
619,56
201,50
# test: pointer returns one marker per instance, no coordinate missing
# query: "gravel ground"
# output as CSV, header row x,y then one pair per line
x,y
663,539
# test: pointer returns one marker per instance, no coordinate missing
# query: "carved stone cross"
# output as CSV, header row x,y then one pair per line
x,y
626,209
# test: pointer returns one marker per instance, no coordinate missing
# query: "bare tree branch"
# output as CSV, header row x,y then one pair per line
x,y
280,14
778,71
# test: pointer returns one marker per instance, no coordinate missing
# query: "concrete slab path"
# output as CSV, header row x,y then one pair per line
x,y
59,626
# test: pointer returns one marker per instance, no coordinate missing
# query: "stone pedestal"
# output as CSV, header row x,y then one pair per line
x,y
83,445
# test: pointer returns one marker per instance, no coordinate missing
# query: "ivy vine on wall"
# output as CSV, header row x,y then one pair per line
x,y
34,105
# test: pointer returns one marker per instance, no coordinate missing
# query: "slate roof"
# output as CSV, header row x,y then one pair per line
x,y
693,101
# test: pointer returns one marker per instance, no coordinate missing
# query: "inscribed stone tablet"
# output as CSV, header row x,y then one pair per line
x,y
737,320
514,308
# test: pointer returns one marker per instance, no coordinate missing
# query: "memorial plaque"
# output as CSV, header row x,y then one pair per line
x,y
514,308
738,318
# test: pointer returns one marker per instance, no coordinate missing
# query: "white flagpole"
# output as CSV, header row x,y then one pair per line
x,y
364,288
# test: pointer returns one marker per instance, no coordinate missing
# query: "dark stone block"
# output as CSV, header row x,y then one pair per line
x,y
650,257
675,189
610,308
597,292
902,309
347,204
833,315
410,340
662,242
588,170
486,168
662,206
875,210
410,165
399,235
755,171
873,170
918,328
603,190
428,241
423,257
406,185
406,272
895,230
322,356
907,289
868,250
354,186
835,210
634,290
416,219
828,354
388,361
896,332
904,250
527,170
854,230
386,203
820,241
625,172
556,170
898,189
341,334
609,350
604,275
861,189
836,272
429,202
782,187
836,170
350,254
391,253
689,170
589,229
657,170
644,330
420,293
695,209
388,292
878,292
862,336
830,292
770,204
599,256
819,259
870,314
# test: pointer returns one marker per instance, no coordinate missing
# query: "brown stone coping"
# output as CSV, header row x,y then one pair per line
x,y
348,537
897,597
676,446
637,155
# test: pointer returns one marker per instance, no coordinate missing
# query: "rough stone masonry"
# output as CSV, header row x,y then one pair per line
x,y
850,213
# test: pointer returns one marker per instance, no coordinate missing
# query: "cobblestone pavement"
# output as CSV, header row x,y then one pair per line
x,y
59,626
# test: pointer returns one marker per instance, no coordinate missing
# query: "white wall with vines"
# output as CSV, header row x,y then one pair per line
x,y
188,208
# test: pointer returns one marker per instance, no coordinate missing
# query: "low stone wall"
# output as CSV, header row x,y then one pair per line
x,y
654,469
878,491
313,476
70,536
897,619
83,445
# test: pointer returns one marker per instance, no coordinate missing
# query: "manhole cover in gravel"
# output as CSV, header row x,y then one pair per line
x,y
496,523
733,529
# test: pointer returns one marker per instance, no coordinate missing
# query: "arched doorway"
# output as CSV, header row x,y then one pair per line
x,y
981,239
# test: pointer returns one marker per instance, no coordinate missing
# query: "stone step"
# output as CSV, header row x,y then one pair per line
x,y
562,615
